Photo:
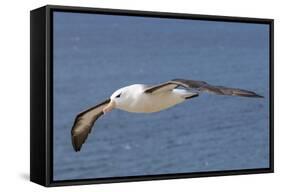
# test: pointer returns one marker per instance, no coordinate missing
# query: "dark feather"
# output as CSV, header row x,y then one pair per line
x,y
83,124
201,86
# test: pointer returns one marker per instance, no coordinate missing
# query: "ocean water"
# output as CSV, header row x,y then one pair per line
x,y
96,54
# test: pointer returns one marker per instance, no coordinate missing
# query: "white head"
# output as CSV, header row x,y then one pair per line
x,y
124,98
117,99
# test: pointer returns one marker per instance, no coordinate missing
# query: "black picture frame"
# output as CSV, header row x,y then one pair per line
x,y
41,60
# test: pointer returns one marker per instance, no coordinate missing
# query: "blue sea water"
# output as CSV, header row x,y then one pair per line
x,y
96,54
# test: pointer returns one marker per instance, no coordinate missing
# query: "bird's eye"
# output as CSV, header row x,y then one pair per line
x,y
118,95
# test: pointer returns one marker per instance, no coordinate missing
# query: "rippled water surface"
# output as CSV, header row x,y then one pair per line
x,y
97,54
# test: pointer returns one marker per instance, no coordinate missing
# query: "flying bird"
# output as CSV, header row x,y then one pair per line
x,y
140,98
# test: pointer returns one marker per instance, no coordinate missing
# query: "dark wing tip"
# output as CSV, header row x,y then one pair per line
x,y
79,134
246,93
81,129
75,144
78,139
255,96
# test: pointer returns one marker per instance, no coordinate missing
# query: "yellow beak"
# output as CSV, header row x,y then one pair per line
x,y
109,107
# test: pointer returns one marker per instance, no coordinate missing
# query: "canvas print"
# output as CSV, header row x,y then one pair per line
x,y
140,96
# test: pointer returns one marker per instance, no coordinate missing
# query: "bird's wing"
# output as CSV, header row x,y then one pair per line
x,y
202,86
163,87
83,124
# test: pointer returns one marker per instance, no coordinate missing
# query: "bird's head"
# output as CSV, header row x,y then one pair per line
x,y
116,100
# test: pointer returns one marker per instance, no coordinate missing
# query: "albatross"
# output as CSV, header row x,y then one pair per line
x,y
141,98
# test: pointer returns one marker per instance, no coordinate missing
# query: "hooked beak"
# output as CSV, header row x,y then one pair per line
x,y
109,107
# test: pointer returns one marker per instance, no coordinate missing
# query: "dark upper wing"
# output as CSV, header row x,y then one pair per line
x,y
204,87
167,86
83,124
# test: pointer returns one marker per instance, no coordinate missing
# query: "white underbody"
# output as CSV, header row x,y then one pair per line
x,y
135,100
